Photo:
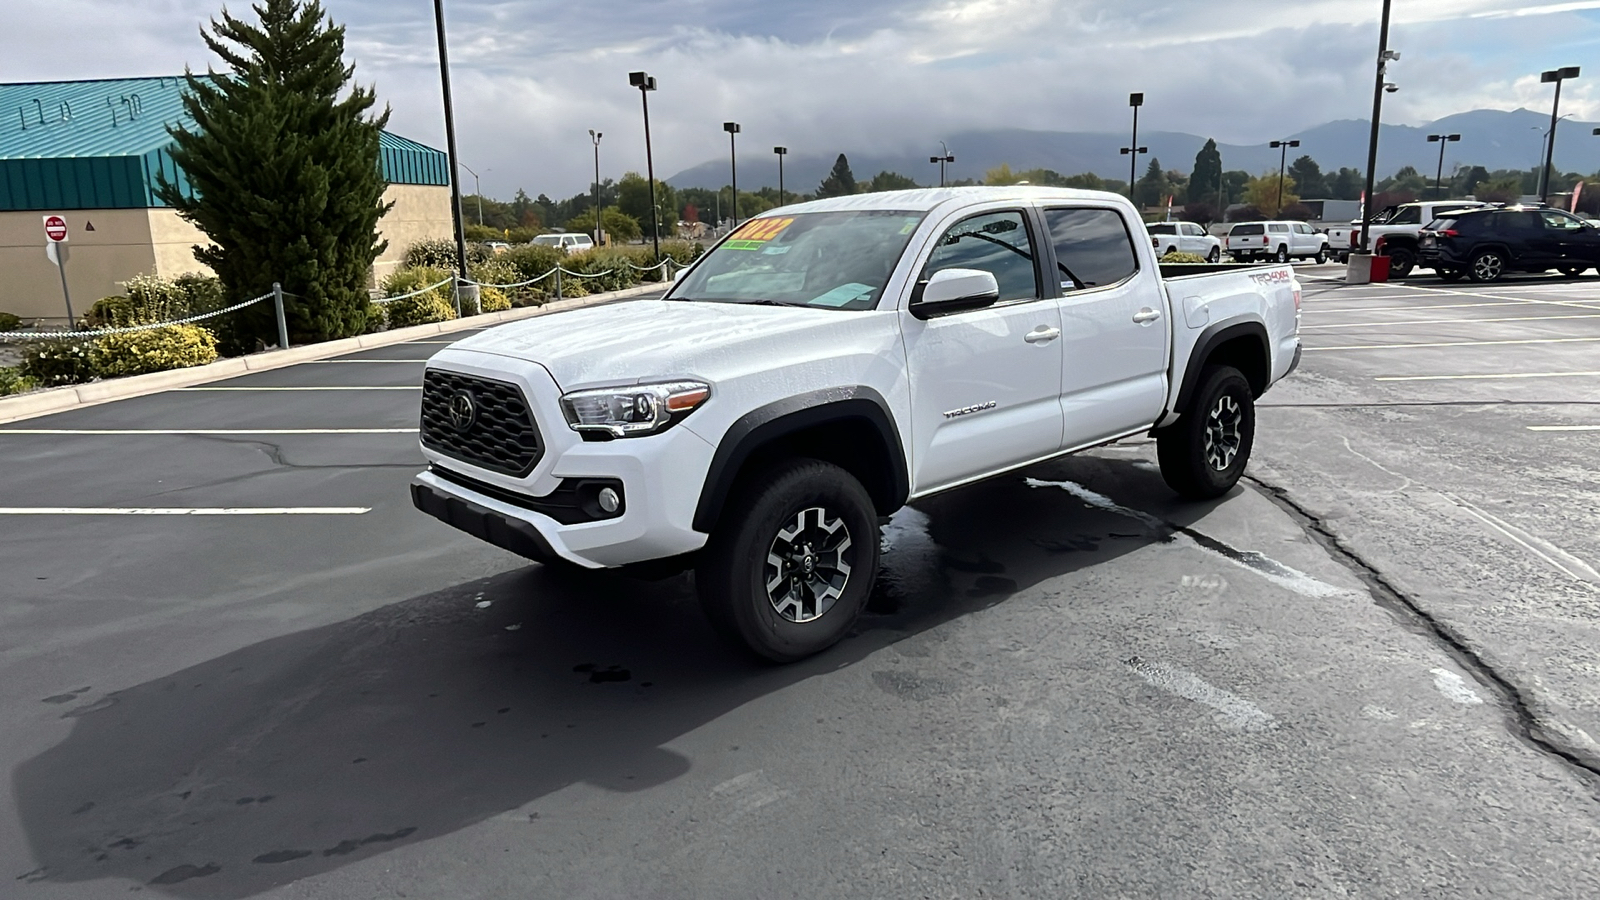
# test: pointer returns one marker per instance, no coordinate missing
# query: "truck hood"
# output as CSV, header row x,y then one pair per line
x,y
643,340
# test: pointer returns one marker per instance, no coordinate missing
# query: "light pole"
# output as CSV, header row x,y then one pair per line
x,y
1438,178
945,156
647,83
1283,159
594,137
781,153
450,147
477,190
1133,149
1554,76
1378,89
732,128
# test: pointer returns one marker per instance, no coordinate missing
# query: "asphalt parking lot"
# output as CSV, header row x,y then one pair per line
x,y
1369,671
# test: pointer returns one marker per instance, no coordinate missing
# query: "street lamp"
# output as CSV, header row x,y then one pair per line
x,y
595,136
732,128
1283,159
1133,149
1385,56
1438,178
477,190
647,83
1554,76
450,147
945,157
781,152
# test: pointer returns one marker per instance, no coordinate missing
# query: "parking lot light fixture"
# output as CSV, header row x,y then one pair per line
x,y
595,137
1438,178
1133,149
732,128
944,157
1283,160
647,83
450,148
1385,56
781,153
1556,77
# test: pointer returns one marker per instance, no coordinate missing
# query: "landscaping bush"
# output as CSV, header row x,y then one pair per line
x,y
492,300
12,381
434,305
57,361
532,260
441,254
609,267
9,322
1178,256
152,350
500,271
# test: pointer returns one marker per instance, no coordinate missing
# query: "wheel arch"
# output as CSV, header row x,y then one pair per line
x,y
850,427
1243,345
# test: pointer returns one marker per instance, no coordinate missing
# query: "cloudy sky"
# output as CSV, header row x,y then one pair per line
x,y
532,76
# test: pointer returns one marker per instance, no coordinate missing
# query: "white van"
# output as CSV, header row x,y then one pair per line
x,y
567,243
1277,241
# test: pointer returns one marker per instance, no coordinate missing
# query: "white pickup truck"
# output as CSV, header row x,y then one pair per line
x,y
1395,232
1184,237
828,363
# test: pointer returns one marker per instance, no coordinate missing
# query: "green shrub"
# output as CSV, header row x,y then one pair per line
x,y
609,267
440,253
152,350
532,260
9,322
12,381
57,361
1178,256
110,312
436,305
492,300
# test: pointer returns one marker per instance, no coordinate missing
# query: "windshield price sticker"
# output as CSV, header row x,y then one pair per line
x,y
757,232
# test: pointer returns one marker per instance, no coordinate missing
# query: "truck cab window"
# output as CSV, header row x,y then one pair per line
x,y
1092,246
997,243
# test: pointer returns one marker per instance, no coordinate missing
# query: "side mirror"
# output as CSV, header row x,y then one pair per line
x,y
954,290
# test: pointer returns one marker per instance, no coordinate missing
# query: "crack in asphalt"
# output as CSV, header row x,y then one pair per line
x,y
1522,706
274,453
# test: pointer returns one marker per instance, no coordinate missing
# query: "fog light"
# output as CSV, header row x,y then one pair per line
x,y
609,501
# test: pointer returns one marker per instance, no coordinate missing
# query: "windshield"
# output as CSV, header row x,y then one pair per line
x,y
1384,216
548,240
832,260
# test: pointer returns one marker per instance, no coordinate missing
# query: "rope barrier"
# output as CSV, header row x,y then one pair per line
x,y
412,294
103,332
517,285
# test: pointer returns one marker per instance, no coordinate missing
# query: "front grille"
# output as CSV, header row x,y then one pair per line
x,y
499,434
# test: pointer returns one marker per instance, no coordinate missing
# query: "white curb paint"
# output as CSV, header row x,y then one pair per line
x,y
1232,709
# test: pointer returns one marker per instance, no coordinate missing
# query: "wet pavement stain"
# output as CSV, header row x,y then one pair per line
x,y
598,675
992,586
185,872
281,856
352,845
1080,543
102,703
65,698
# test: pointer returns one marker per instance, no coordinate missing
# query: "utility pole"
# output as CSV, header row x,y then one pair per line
x,y
1555,76
647,83
943,157
1384,56
781,152
1133,150
1283,159
1438,178
732,128
450,147
595,137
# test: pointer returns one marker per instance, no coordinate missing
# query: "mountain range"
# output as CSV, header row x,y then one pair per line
x,y
1494,139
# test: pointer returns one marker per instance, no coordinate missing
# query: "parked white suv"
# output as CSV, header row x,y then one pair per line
x,y
829,362
1277,241
566,242
1184,237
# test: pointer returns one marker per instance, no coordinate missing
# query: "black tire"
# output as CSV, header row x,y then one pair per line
x,y
1238,257
1215,255
1573,271
1401,261
1190,449
1282,255
1322,256
779,507
1451,275
1486,266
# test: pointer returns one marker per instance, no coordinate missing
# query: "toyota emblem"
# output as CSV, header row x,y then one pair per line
x,y
463,411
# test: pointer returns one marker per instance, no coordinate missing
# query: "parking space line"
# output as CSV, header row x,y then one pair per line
x,y
1492,294
325,362
1451,321
1587,340
319,387
1486,376
1564,427
205,431
184,511
1367,309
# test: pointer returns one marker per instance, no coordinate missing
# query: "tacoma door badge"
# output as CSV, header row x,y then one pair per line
x,y
969,410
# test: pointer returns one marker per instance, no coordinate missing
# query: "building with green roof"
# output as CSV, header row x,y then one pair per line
x,y
93,153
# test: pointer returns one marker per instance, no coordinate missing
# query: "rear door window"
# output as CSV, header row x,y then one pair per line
x,y
1277,229
1406,215
1093,247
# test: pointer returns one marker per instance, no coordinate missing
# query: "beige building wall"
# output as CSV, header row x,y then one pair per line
x,y
129,242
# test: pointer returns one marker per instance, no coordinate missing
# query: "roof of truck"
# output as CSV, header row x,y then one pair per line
x,y
926,199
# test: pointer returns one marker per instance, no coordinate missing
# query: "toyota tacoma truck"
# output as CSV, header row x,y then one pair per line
x,y
829,362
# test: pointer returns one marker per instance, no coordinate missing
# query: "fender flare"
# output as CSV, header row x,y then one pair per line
x,y
1211,338
766,424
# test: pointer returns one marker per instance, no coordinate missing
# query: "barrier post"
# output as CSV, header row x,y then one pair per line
x,y
283,322
558,284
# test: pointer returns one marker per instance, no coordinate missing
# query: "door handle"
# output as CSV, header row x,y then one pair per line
x,y
1146,315
1044,334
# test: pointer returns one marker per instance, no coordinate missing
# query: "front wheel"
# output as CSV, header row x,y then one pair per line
x,y
791,564
1203,454
1487,265
1401,262
1322,256
1215,255
1282,255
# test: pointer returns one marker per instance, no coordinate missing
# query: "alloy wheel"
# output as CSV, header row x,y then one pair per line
x,y
806,567
1222,440
1488,267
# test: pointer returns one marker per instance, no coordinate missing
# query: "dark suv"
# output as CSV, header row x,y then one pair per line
x,y
1487,243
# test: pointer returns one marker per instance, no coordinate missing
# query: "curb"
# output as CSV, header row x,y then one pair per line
x,y
54,400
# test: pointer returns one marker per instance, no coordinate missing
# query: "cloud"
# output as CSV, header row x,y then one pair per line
x,y
822,76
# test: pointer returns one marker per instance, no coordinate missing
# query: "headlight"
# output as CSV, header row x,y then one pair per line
x,y
635,410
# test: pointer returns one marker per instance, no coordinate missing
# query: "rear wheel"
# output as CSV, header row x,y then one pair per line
x,y
1401,261
1203,454
1282,255
790,566
1486,266
1215,255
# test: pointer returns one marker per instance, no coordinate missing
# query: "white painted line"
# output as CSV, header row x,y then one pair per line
x,y
1232,709
411,387
1485,377
332,362
1457,344
1450,321
1455,687
1569,565
206,431
1366,309
184,511
431,342
1564,427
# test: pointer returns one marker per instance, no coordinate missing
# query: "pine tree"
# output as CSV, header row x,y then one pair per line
x,y
839,182
1206,179
1308,175
282,173
1151,190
